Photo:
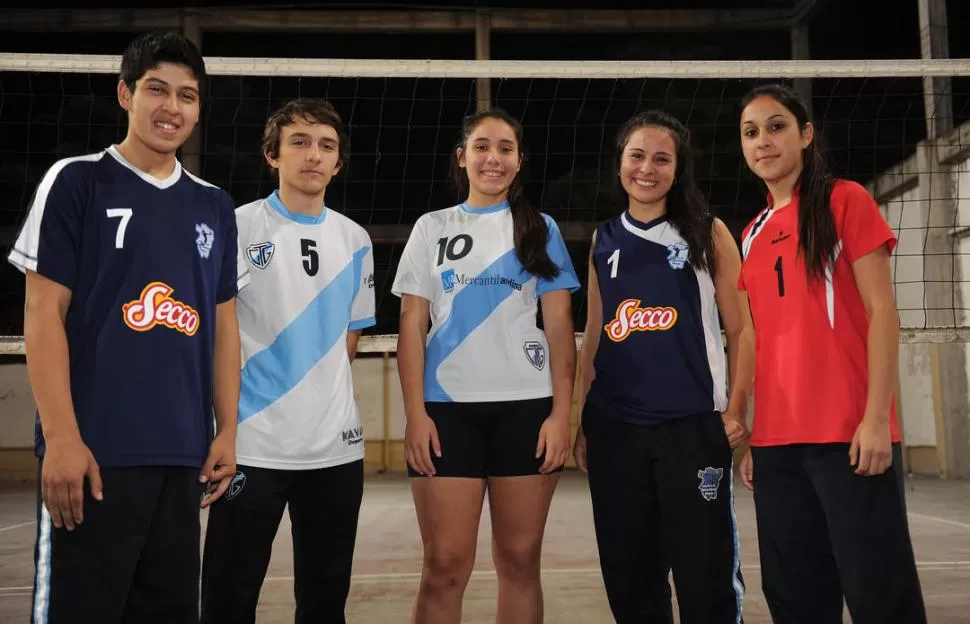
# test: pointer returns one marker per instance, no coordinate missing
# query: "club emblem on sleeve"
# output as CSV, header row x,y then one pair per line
x,y
260,254
710,481
205,239
535,353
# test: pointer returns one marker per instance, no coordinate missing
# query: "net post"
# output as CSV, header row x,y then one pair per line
x,y
192,148
386,412
801,51
483,31
937,91
943,297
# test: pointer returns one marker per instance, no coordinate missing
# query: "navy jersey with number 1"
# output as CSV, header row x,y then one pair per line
x,y
146,261
660,354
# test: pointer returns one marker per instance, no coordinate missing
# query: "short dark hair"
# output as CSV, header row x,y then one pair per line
x,y
151,49
313,110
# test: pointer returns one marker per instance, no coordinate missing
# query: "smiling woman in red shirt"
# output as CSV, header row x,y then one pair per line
x,y
825,458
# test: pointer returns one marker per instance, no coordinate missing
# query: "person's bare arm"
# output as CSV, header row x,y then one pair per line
x,y
67,460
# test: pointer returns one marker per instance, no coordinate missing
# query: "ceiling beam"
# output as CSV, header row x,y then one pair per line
x,y
806,10
507,20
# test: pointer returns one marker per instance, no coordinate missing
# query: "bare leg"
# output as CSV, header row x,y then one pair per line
x,y
519,508
449,510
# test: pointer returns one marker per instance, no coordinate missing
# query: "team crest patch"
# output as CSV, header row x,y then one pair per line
x,y
205,239
260,254
535,353
236,485
710,481
677,255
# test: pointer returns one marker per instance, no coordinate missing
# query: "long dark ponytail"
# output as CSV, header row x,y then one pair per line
x,y
687,210
530,232
816,224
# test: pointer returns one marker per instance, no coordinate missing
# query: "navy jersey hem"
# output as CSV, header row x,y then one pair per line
x,y
635,415
183,461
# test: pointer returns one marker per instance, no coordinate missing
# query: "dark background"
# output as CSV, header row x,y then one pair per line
x,y
403,130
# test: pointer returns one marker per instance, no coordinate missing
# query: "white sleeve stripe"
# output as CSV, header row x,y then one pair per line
x,y
200,180
22,261
756,229
29,240
243,280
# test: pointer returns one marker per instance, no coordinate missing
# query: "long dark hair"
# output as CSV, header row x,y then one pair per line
x,y
529,228
687,209
816,224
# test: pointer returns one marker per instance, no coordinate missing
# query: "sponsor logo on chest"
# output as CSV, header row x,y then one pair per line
x,y
156,307
630,317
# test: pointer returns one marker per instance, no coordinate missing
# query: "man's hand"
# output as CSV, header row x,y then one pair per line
x,y
219,467
67,461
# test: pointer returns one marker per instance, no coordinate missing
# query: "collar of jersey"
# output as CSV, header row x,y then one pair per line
x,y
502,205
644,225
791,202
277,204
162,184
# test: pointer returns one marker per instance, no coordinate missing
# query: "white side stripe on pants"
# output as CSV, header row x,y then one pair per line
x,y
42,582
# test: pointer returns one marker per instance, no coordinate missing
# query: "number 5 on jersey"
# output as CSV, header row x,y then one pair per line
x,y
311,259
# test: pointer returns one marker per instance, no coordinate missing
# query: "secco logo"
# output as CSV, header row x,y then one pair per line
x,y
156,307
630,317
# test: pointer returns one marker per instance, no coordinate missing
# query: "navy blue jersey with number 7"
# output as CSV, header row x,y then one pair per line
x,y
146,261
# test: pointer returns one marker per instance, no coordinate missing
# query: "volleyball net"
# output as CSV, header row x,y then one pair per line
x,y
404,116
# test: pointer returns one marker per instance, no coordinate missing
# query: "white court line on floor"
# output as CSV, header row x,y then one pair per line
x,y
17,526
413,576
365,579
942,520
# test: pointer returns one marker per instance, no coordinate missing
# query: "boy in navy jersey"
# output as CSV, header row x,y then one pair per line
x,y
132,346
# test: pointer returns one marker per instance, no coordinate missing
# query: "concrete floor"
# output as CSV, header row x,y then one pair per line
x,y
388,559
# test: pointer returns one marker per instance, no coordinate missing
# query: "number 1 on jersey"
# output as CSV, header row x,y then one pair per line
x,y
614,263
781,277
125,215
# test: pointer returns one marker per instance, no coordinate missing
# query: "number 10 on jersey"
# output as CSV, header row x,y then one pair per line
x,y
455,248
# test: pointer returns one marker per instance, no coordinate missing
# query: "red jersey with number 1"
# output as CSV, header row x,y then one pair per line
x,y
811,355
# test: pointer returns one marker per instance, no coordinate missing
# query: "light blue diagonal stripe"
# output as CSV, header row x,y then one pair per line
x,y
470,308
277,369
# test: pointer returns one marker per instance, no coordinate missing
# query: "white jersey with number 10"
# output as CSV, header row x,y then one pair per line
x,y
484,344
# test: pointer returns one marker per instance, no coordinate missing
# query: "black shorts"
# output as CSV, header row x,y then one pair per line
x,y
134,559
494,439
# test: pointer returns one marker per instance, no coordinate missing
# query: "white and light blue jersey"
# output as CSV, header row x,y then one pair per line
x,y
312,281
484,344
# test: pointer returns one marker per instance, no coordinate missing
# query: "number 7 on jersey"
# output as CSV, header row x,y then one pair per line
x,y
125,215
